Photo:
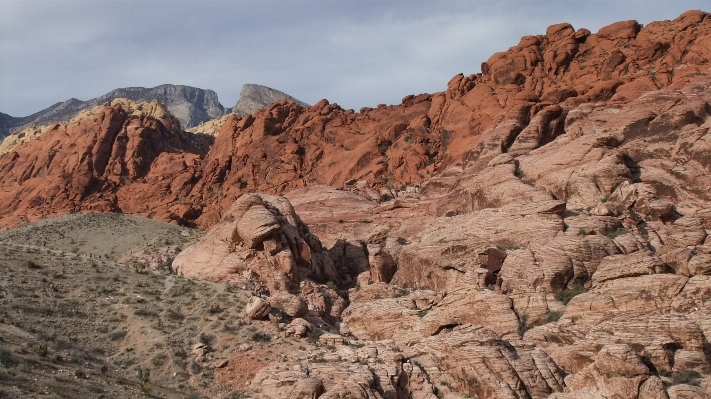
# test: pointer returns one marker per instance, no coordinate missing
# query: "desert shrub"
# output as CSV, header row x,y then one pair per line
x,y
684,377
171,314
619,232
582,232
314,335
215,308
145,312
642,227
33,265
206,339
39,349
523,326
145,388
552,317
6,358
565,295
259,336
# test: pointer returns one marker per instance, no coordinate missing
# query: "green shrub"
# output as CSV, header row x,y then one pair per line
x,y
552,317
684,377
619,232
642,227
259,336
313,336
582,232
145,388
40,349
565,295
523,326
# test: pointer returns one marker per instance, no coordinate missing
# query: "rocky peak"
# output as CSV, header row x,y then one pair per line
x,y
255,97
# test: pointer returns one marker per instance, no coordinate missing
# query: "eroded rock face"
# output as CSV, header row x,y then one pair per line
x,y
260,240
524,98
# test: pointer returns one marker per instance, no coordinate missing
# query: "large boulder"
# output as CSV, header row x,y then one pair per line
x,y
259,238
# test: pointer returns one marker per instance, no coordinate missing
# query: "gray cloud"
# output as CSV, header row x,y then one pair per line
x,y
353,52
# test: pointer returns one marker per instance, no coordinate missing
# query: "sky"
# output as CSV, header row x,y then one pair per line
x,y
352,52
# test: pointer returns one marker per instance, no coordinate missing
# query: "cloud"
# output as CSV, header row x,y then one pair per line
x,y
353,52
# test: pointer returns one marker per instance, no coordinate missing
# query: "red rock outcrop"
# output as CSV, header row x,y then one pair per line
x,y
519,101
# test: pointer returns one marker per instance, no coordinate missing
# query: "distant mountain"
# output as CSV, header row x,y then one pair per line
x,y
255,97
191,105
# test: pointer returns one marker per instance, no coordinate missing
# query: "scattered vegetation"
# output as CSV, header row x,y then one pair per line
x,y
552,317
40,349
642,228
523,326
619,232
690,377
260,336
508,246
566,294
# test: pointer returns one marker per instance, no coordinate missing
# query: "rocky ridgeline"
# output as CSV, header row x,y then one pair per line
x,y
540,230
521,101
190,105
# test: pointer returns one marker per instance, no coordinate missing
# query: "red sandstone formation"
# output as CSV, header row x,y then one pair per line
x,y
519,102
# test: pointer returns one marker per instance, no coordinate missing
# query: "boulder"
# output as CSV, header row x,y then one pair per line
x,y
289,304
257,308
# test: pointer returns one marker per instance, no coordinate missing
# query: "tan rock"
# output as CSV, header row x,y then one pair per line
x,y
289,304
257,308
259,237
686,231
621,266
382,264
700,264
322,300
299,327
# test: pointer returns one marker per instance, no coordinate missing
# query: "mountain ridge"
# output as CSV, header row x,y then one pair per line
x,y
190,105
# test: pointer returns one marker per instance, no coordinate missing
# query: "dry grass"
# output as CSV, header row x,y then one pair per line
x,y
74,326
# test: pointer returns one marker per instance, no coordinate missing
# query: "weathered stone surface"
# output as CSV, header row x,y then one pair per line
x,y
424,313
485,366
621,266
260,239
257,308
322,300
288,304
686,231
299,327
